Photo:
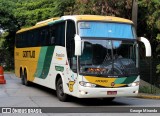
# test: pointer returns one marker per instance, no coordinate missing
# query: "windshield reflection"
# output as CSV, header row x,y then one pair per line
x,y
108,57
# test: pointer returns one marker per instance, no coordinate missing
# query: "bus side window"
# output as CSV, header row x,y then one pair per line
x,y
24,40
52,35
35,37
21,40
47,37
42,37
60,34
70,44
18,40
38,37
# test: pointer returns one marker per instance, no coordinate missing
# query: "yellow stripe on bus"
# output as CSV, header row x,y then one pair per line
x,y
103,81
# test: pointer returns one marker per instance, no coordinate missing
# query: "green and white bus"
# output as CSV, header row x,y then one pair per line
x,y
85,56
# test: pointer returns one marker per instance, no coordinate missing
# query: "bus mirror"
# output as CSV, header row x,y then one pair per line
x,y
147,45
77,40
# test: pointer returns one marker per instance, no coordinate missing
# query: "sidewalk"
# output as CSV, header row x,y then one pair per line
x,y
148,96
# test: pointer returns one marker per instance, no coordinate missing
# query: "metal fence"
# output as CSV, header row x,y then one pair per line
x,y
149,75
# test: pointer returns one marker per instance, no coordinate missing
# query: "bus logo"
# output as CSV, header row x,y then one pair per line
x,y
70,85
112,84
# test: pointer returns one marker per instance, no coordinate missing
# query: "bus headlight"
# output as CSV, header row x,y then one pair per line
x,y
134,84
87,84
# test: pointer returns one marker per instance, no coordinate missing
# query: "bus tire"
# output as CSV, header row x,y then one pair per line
x,y
59,90
26,82
22,78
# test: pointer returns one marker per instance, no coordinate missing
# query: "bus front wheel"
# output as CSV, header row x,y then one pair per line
x,y
60,92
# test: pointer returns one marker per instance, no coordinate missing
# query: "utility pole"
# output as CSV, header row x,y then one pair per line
x,y
135,12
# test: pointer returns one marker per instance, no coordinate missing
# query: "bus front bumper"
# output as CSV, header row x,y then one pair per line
x,y
87,92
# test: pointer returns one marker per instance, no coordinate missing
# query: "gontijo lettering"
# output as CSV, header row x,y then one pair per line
x,y
28,54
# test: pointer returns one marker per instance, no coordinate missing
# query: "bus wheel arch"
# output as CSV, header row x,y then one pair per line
x,y
57,78
59,89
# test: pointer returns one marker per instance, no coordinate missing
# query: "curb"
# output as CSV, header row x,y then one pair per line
x,y
147,96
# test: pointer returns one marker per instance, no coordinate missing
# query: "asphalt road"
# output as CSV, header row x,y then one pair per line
x,y
14,94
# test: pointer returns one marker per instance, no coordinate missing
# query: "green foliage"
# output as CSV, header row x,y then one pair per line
x,y
158,37
16,14
145,89
150,89
2,38
149,22
28,12
121,8
158,68
63,7
7,19
151,13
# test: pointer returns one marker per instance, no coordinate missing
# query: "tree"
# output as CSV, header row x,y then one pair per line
x,y
120,8
16,14
7,20
8,23
29,12
149,22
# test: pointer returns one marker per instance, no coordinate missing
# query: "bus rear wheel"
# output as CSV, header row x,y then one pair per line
x,y
60,92
26,82
22,78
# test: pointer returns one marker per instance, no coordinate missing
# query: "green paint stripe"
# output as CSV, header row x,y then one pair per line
x,y
40,64
44,61
120,80
130,80
47,62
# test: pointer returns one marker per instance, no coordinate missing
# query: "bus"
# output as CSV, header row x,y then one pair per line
x,y
85,56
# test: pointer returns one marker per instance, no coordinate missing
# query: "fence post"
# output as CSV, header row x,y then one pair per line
x,y
151,79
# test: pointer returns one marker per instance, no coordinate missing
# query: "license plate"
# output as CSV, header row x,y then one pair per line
x,y
111,92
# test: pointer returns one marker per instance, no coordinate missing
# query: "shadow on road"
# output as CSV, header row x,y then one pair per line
x,y
44,89
97,102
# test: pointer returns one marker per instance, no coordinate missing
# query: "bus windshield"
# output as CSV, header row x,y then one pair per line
x,y
106,30
108,48
108,57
